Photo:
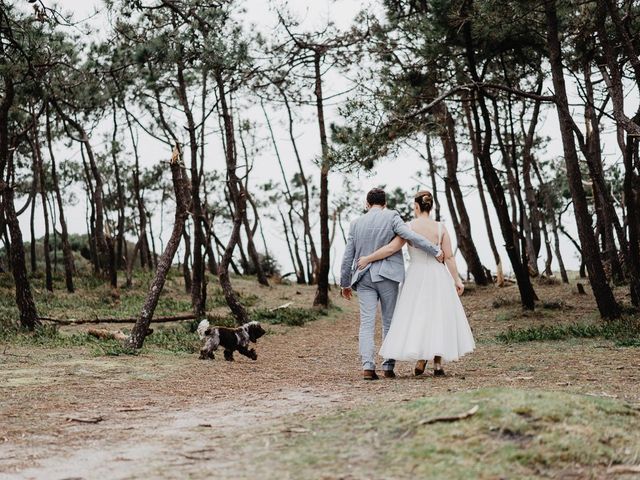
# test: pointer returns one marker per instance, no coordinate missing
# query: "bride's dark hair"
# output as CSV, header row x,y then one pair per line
x,y
424,199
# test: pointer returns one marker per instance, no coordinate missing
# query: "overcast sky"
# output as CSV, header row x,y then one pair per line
x,y
400,171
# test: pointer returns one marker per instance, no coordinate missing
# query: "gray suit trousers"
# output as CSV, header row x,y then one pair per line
x,y
369,294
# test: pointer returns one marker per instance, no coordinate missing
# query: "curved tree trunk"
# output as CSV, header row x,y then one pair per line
x,y
607,305
238,198
458,210
183,201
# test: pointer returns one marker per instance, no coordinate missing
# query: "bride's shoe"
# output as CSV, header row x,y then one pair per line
x,y
420,367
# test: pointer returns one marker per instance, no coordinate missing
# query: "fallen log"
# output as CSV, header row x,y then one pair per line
x,y
106,334
71,321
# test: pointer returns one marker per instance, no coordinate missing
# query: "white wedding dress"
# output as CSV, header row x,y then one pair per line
x,y
429,319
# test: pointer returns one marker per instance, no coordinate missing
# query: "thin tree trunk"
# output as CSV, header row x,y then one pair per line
x,y
312,256
186,272
198,269
483,201
183,201
322,292
458,210
97,198
238,197
563,270
67,253
45,210
32,229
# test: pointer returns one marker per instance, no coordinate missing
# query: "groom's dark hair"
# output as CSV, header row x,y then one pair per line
x,y
376,196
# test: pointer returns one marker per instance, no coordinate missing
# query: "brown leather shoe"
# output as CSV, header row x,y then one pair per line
x,y
370,375
389,374
420,367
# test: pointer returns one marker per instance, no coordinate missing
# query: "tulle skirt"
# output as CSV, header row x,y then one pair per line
x,y
429,319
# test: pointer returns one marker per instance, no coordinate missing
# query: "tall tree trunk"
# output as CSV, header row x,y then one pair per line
x,y
458,210
614,81
198,268
145,251
97,192
45,210
603,202
67,253
24,298
322,292
312,257
238,197
483,201
183,200
520,221
607,305
494,185
120,260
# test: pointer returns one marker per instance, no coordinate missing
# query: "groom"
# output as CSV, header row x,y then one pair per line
x,y
378,281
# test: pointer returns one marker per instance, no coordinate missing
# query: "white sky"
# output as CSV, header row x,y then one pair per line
x,y
399,172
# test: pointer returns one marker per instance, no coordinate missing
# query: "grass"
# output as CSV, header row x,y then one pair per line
x,y
99,301
625,333
288,316
177,339
515,434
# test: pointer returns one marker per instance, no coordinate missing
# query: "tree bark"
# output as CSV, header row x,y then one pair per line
x,y
97,192
183,205
67,253
24,298
607,305
483,201
458,209
198,267
238,198
322,292
494,185
45,210
313,258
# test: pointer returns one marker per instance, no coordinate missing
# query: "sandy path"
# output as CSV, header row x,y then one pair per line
x,y
168,416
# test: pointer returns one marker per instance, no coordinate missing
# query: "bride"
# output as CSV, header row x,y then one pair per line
x,y
429,322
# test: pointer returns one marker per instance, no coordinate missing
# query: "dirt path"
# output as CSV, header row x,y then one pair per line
x,y
171,416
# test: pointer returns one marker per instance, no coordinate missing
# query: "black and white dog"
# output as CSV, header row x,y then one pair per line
x,y
231,339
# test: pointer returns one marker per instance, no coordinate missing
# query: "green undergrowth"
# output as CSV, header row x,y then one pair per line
x,y
514,434
180,338
625,332
288,316
94,298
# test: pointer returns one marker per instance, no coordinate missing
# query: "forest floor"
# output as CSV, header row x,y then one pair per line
x,y
567,408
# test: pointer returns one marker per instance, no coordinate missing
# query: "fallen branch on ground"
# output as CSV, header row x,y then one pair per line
x,y
71,321
106,334
452,418
281,307
623,469
85,420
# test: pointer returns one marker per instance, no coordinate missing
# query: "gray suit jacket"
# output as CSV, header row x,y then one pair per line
x,y
367,234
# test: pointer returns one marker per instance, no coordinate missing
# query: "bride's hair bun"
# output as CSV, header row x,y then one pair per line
x,y
424,199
